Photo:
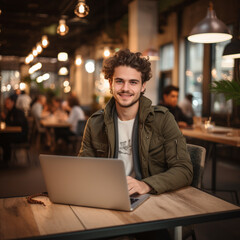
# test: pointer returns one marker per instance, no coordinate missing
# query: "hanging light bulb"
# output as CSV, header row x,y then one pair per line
x,y
81,9
45,41
62,28
106,52
34,52
78,60
39,48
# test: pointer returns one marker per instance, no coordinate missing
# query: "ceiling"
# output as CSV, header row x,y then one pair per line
x,y
22,24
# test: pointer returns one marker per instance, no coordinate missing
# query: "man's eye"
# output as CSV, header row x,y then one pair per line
x,y
134,82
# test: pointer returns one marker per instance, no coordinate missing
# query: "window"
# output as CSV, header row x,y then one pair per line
x,y
193,74
166,66
221,69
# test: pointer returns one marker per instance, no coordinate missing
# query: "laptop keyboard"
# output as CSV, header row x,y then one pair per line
x,y
133,200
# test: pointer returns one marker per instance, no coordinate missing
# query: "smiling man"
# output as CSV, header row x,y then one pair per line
x,y
145,137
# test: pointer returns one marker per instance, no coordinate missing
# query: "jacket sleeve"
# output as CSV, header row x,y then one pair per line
x,y
179,171
86,149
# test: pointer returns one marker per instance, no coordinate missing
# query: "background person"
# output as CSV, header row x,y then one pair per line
x,y
186,106
23,102
12,117
170,101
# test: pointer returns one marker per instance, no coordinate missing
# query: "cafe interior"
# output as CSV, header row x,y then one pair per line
x,y
57,48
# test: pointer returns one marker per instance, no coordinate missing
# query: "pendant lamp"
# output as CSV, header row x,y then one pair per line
x,y
232,50
210,29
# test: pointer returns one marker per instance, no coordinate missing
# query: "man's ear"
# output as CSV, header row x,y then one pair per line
x,y
143,87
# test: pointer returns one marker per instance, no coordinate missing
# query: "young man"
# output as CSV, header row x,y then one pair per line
x,y
170,101
146,138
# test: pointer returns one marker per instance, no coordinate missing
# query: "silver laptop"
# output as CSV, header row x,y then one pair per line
x,y
88,181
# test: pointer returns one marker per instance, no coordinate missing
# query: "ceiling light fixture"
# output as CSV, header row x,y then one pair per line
x,y
78,60
106,52
62,56
45,41
81,9
62,28
39,48
210,29
232,49
34,52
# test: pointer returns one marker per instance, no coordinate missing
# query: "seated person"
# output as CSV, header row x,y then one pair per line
x,y
75,114
186,105
12,117
170,100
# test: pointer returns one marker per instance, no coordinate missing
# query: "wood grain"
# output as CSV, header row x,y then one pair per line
x,y
16,219
212,137
55,218
182,203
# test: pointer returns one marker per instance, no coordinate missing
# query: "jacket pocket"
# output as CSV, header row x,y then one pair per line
x,y
101,149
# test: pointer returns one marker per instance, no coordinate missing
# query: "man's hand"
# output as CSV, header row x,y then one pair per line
x,y
135,186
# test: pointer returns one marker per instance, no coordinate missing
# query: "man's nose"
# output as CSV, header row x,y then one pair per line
x,y
125,86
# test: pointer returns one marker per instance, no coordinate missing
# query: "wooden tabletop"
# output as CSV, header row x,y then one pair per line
x,y
218,135
19,219
55,123
11,129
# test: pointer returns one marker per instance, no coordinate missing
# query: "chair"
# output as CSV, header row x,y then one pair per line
x,y
24,145
197,156
76,140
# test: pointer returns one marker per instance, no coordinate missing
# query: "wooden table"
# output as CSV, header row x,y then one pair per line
x,y
19,219
221,135
55,124
11,129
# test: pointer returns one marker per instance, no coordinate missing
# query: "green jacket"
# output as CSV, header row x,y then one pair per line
x,y
164,160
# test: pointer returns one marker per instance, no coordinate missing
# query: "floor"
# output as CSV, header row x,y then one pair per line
x,y
24,177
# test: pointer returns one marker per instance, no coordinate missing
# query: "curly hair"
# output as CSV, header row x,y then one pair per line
x,y
129,59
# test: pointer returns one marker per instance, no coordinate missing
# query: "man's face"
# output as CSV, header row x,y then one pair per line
x,y
126,86
171,99
9,104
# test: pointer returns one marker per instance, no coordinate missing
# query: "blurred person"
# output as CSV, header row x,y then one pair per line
x,y
12,117
15,95
76,113
39,109
170,101
57,110
186,105
23,102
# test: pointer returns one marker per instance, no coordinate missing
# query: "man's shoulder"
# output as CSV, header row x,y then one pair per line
x,y
160,108
100,112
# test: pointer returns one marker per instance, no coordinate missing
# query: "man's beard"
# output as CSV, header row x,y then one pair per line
x,y
129,105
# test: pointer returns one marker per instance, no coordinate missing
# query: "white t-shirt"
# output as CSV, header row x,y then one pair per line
x,y
125,129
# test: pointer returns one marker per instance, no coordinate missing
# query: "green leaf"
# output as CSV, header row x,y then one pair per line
x,y
230,89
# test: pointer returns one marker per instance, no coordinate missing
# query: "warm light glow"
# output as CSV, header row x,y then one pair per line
x,y
232,56
106,52
9,87
90,66
66,83
62,28
39,48
45,41
62,56
78,60
34,52
63,71
81,9
22,86
209,37
67,89
35,68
